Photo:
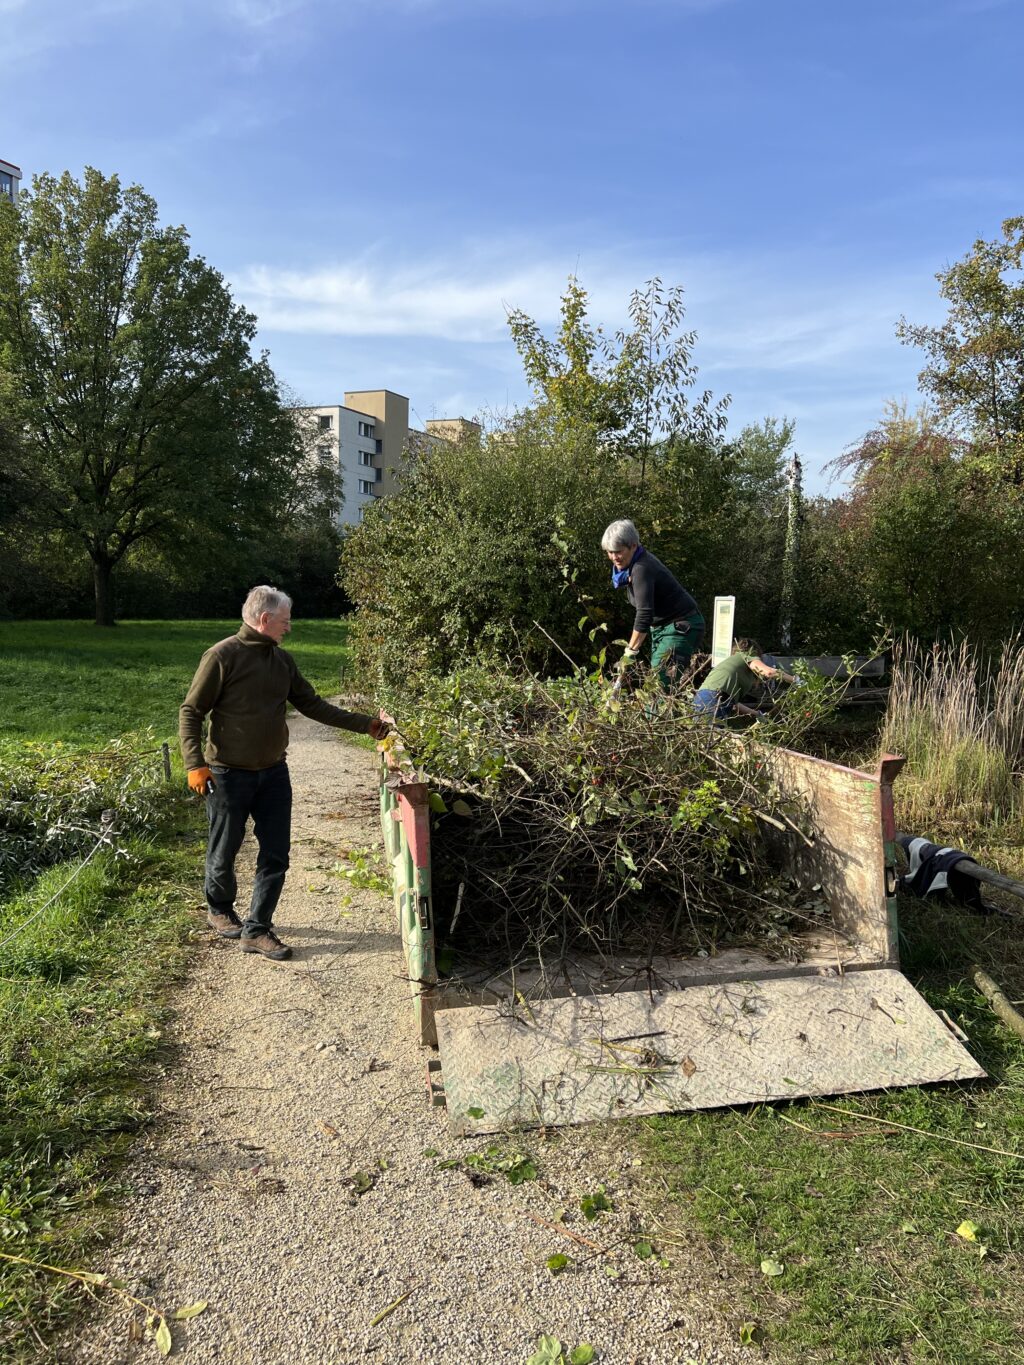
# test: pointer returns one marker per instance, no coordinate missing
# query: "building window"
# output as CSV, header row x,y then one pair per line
x,y
366,428
366,458
326,454
380,447
6,184
365,486
326,422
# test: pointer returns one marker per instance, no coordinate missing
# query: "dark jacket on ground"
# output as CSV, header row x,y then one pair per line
x,y
244,684
658,597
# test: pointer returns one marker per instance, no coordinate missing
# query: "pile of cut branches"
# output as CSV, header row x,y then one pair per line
x,y
566,820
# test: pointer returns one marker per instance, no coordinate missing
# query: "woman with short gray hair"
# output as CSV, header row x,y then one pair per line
x,y
663,608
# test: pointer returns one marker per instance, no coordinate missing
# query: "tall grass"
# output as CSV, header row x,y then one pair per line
x,y
957,715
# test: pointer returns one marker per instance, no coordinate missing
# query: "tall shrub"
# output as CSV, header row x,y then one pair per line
x,y
477,550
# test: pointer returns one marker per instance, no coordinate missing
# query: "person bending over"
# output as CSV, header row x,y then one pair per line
x,y
664,610
734,678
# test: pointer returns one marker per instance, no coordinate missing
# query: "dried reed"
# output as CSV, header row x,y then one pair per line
x,y
957,715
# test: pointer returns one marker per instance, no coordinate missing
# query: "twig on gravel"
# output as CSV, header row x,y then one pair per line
x,y
382,1109
567,1232
269,1014
392,1306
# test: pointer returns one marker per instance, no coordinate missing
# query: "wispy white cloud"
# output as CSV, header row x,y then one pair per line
x,y
463,300
810,338
778,314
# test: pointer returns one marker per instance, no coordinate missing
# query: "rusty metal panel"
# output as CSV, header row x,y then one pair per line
x,y
551,1062
847,853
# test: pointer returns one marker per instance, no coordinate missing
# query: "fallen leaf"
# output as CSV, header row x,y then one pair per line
x,y
548,1352
968,1230
582,1354
557,1263
689,1067
329,1129
521,1171
643,1249
162,1337
908,1226
594,1204
771,1267
191,1310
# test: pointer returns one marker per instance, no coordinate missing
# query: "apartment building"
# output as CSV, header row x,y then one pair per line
x,y
366,438
347,438
10,179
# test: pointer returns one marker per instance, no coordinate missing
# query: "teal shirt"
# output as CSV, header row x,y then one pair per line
x,y
733,677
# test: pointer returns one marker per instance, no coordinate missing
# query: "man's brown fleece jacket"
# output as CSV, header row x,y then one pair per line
x,y
244,684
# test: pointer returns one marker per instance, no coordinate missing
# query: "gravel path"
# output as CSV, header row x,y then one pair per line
x,y
288,1178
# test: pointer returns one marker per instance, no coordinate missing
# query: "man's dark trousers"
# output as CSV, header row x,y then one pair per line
x,y
267,797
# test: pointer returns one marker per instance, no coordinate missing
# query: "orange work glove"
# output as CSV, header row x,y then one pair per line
x,y
198,778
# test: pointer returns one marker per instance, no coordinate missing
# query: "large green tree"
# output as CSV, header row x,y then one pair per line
x,y
975,369
146,419
937,536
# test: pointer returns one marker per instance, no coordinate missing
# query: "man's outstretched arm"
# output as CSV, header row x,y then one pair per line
x,y
305,698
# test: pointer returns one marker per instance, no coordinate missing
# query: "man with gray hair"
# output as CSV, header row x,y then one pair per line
x,y
244,685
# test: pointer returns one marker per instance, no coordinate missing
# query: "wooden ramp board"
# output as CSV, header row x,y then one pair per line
x,y
600,1057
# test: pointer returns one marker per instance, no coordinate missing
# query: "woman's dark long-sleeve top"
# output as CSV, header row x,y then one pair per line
x,y
657,595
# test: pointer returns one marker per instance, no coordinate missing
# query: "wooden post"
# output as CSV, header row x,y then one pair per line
x,y
985,874
995,997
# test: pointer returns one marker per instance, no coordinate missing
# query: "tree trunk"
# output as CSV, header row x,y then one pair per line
x,y
102,575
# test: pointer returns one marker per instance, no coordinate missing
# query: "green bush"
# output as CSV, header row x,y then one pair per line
x,y
468,556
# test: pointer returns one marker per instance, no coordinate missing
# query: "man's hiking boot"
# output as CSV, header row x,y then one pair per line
x,y
225,923
267,944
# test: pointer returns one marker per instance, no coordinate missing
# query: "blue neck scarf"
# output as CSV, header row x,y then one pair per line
x,y
620,577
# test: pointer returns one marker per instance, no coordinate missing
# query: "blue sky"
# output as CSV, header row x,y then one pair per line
x,y
380,179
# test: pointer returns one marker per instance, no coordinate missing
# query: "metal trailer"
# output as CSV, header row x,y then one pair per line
x,y
595,1039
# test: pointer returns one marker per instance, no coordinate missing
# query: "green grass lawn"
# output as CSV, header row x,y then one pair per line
x,y
84,987
83,995
864,1218
73,682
